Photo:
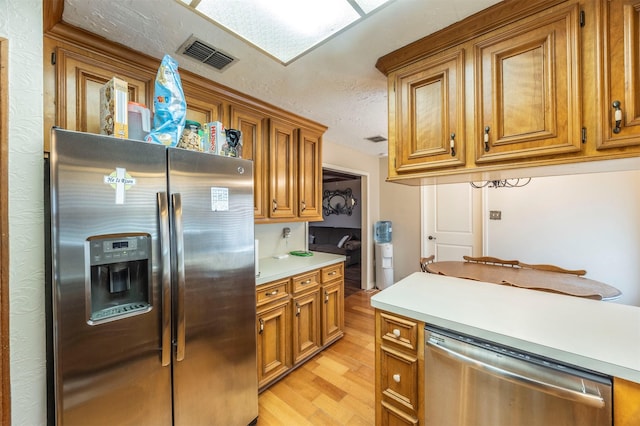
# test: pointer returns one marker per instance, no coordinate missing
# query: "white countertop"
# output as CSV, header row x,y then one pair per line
x,y
272,269
600,336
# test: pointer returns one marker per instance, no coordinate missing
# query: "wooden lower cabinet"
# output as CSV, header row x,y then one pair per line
x,y
297,317
626,402
399,390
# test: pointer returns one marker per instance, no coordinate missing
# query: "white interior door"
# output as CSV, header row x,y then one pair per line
x,y
451,221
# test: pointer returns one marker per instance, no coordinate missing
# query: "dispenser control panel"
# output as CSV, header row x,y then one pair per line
x,y
123,249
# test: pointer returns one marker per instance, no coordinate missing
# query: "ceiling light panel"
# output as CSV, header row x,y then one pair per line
x,y
284,29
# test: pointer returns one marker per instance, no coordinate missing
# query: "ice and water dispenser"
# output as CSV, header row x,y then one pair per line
x,y
383,253
119,276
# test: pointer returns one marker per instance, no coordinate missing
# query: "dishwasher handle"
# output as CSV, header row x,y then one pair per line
x,y
588,399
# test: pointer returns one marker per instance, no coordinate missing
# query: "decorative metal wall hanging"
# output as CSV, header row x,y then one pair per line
x,y
338,202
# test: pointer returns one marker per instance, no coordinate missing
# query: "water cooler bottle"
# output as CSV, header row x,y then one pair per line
x,y
383,254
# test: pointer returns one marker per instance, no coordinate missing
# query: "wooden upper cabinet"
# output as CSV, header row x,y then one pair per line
x,y
528,94
309,175
253,125
619,85
82,76
429,113
282,170
202,105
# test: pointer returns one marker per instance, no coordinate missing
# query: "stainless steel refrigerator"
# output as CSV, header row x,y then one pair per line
x,y
150,284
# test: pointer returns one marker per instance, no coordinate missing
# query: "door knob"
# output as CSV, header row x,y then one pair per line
x,y
431,237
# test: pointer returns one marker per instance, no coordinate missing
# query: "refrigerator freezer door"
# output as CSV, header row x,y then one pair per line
x,y
215,379
107,365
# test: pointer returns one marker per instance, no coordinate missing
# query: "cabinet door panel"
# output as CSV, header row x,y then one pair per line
x,y
78,105
253,125
309,176
620,59
528,92
306,325
282,167
332,311
430,102
273,344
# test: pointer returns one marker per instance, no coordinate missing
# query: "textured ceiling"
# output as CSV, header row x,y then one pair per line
x,y
336,84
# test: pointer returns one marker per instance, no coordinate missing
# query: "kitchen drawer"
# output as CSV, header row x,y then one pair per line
x,y
333,272
269,292
304,282
399,332
399,380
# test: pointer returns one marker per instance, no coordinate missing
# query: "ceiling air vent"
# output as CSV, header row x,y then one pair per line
x,y
202,52
376,139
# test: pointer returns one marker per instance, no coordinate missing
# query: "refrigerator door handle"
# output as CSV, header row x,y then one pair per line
x,y
179,239
165,244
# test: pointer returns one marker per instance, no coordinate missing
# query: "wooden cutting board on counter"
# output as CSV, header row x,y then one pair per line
x,y
533,279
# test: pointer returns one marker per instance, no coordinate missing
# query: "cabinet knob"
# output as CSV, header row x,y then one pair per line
x,y
396,332
452,144
396,378
617,116
486,138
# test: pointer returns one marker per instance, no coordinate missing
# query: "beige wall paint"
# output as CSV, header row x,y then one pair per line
x,y
401,205
21,24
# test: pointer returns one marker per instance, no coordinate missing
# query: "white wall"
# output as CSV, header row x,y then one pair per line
x,y
271,242
21,24
401,206
589,222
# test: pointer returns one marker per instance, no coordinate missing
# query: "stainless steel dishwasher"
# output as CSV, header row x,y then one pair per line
x,y
473,382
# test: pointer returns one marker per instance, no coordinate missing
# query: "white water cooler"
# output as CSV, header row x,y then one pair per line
x,y
383,254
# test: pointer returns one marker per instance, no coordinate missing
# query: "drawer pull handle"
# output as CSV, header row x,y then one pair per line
x,y
261,326
396,332
297,309
271,293
326,297
332,273
303,206
617,116
305,282
453,144
396,378
275,205
486,138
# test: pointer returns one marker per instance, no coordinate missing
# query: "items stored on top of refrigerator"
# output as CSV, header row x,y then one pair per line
x,y
150,285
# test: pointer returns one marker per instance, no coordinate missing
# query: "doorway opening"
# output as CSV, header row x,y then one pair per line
x,y
345,214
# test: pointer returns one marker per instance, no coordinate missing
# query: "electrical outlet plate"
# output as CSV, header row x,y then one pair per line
x,y
495,214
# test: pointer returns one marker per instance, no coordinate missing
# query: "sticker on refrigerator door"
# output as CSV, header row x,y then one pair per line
x,y
219,199
121,181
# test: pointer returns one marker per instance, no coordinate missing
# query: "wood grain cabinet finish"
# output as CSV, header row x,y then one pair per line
x,y
619,73
297,317
528,98
429,118
542,82
399,370
626,406
309,175
254,125
285,148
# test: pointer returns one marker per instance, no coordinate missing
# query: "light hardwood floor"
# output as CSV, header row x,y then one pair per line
x,y
336,387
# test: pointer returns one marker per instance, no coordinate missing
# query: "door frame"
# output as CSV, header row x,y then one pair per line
x,y
366,271
5,387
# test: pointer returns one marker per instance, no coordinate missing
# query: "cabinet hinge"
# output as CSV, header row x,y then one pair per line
x,y
582,18
53,58
584,135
